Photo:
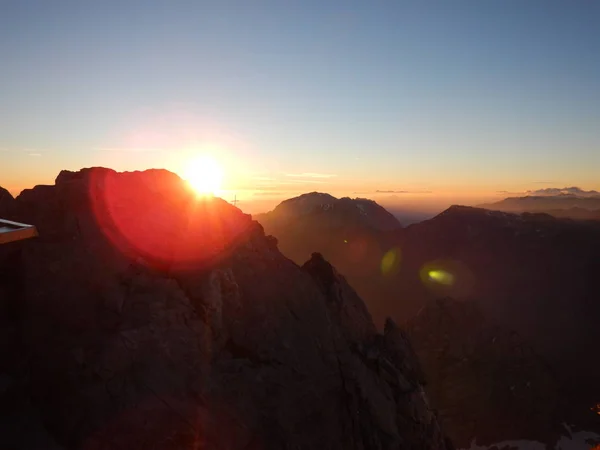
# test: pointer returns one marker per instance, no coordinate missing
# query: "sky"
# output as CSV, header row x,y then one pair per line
x,y
431,102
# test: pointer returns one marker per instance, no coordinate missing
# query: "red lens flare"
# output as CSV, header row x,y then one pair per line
x,y
156,217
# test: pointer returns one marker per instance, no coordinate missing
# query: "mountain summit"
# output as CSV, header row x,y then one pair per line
x,y
334,212
351,231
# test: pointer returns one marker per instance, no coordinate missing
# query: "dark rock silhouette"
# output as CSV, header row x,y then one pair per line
x,y
485,382
532,274
6,200
142,317
351,231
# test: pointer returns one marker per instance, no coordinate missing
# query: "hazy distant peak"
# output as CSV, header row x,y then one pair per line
x,y
461,210
473,217
570,202
305,204
566,191
472,212
311,197
472,222
343,211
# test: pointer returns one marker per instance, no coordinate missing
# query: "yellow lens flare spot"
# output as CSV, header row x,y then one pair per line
x,y
390,261
204,175
441,276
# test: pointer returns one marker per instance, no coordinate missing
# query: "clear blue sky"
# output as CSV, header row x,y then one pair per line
x,y
390,94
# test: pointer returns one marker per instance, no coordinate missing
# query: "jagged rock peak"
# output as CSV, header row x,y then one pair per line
x,y
390,326
6,200
402,351
306,203
68,175
346,306
5,194
321,270
161,177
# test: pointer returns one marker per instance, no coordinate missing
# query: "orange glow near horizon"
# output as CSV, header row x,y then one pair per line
x,y
205,175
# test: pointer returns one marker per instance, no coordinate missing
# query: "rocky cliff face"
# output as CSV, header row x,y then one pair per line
x,y
145,318
350,231
486,383
530,273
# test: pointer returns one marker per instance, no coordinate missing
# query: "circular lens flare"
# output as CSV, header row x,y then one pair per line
x,y
390,262
448,277
154,219
441,277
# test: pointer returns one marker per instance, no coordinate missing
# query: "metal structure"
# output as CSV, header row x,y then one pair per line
x,y
15,231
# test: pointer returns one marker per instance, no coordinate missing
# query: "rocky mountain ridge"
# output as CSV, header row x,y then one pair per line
x,y
571,206
345,212
529,274
144,318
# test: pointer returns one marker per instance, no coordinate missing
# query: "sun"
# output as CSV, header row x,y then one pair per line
x,y
204,175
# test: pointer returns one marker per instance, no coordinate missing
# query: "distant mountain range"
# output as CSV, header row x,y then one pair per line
x,y
529,274
564,205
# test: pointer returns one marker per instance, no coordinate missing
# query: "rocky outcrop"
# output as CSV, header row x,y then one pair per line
x,y
347,232
142,317
6,200
375,361
486,383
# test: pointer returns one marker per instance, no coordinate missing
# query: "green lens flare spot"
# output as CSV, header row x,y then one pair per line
x,y
441,277
390,261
